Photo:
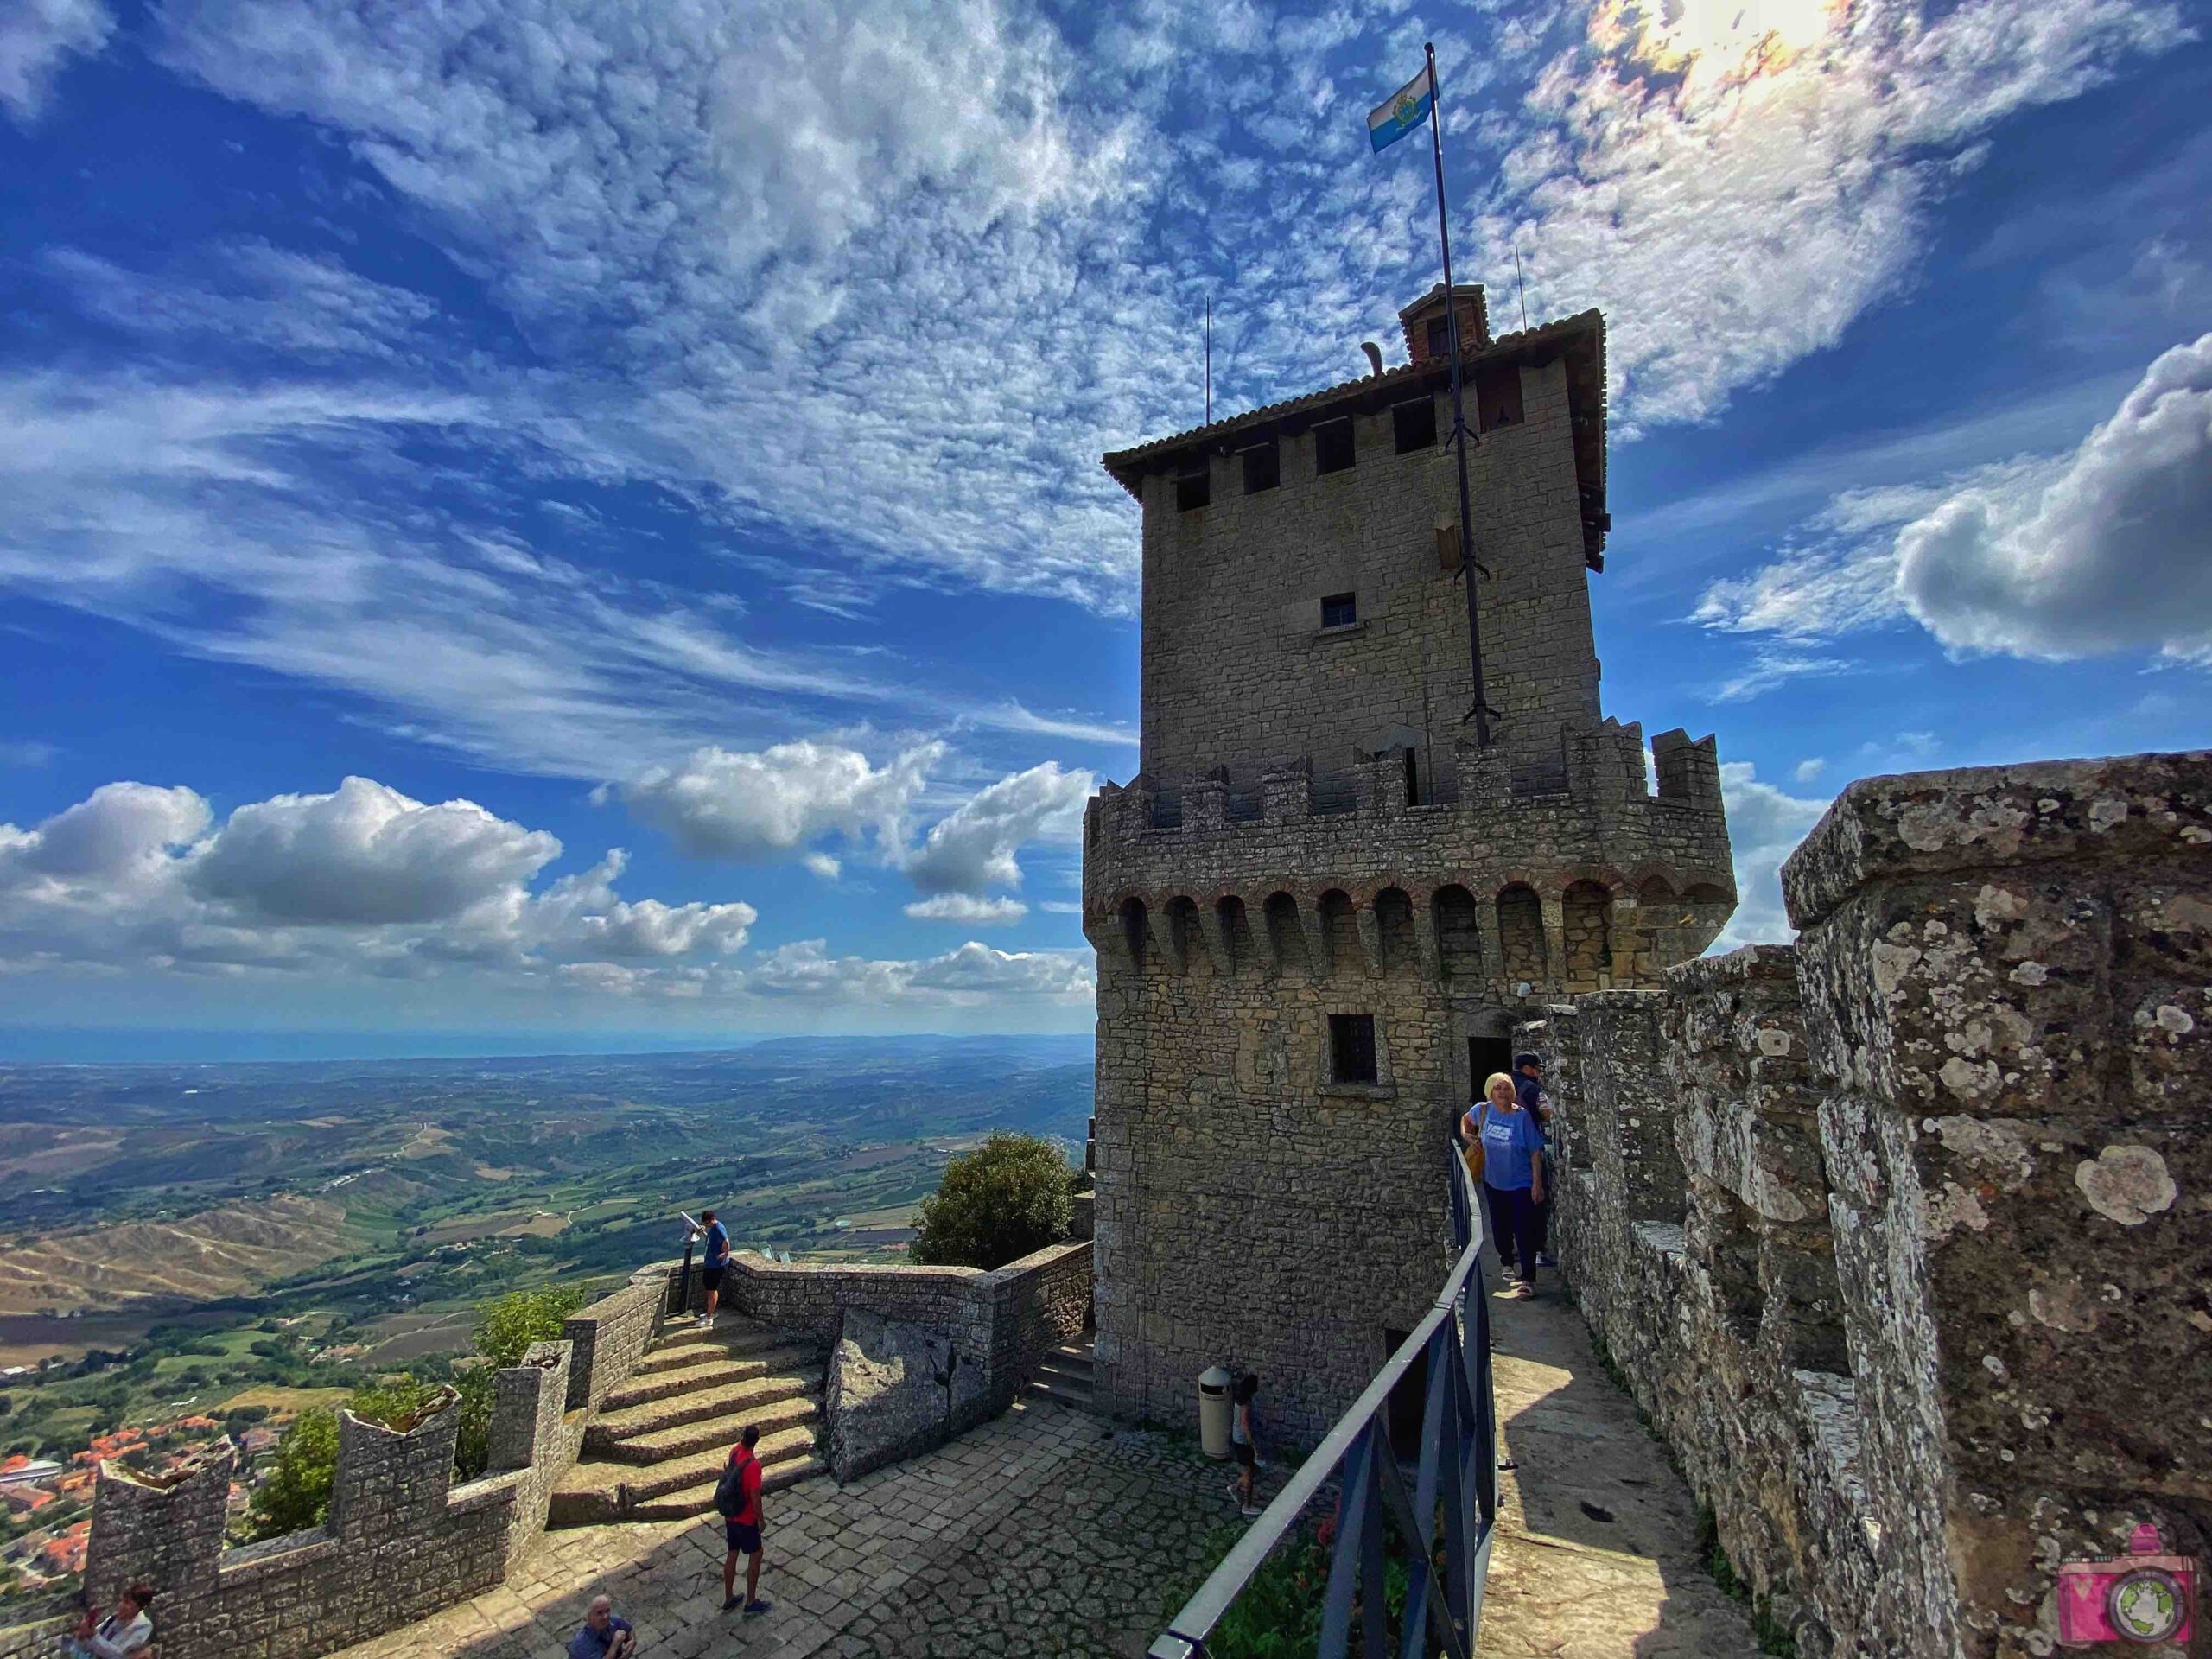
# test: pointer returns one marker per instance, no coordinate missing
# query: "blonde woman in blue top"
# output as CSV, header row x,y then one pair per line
x,y
1513,1177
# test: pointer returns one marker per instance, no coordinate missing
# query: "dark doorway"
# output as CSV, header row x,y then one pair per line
x,y
1408,1400
1484,1056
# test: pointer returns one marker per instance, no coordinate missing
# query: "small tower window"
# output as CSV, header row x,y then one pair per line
x,y
1262,468
1413,779
1194,490
1332,447
1415,425
1352,1048
1339,610
1439,337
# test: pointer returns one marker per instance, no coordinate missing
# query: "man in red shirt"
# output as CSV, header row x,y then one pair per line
x,y
741,1523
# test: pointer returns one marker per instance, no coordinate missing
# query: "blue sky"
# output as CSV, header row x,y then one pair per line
x,y
567,516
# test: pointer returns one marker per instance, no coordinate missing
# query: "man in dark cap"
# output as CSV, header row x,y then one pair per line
x,y
1527,1082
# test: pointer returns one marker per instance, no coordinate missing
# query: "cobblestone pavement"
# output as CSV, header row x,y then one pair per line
x,y
1049,1533
1044,1532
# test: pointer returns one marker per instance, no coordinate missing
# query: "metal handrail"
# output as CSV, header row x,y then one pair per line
x,y
1459,1469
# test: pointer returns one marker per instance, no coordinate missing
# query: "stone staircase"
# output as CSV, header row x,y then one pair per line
x,y
656,1446
1064,1374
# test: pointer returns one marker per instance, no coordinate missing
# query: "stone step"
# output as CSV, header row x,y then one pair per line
x,y
596,1491
719,1393
1066,1365
1060,1390
709,1373
699,1499
779,1403
701,1348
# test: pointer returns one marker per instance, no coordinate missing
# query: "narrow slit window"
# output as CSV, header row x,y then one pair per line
x,y
1352,1048
1339,610
1332,447
1415,425
1193,491
1412,779
1262,468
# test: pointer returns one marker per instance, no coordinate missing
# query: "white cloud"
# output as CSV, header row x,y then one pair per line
x,y
2106,548
36,38
974,975
1734,185
1809,769
973,846
362,882
366,853
1060,907
1764,826
717,804
968,909
251,293
823,865
2115,554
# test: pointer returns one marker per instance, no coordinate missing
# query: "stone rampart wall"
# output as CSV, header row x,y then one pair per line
x,y
1002,1321
401,1539
1902,1235
607,1339
40,1641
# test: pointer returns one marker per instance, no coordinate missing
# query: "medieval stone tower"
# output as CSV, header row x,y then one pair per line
x,y
1320,908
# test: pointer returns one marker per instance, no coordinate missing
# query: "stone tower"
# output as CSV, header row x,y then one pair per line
x,y
1319,908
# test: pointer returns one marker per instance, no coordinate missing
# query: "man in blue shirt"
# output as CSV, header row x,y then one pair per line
x,y
710,1275
604,1635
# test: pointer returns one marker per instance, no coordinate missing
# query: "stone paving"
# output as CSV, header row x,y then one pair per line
x,y
1048,1532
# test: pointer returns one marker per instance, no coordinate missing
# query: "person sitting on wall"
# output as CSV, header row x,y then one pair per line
x,y
1513,1178
125,1630
604,1635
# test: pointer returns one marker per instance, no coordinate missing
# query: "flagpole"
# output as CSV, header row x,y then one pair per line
x,y
1480,713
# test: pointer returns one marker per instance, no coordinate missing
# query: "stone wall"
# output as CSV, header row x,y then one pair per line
x,y
40,1641
1254,1211
1902,1236
607,1339
1238,668
1001,1322
401,1539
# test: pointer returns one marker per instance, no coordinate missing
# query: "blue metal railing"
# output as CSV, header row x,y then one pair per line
x,y
1458,1479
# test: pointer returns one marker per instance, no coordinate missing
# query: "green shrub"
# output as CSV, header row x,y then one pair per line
x,y
511,1324
297,1494
995,1204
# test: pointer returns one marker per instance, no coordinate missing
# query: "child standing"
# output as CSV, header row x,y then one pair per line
x,y
1245,1447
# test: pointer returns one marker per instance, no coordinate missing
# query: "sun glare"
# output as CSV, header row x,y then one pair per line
x,y
1725,38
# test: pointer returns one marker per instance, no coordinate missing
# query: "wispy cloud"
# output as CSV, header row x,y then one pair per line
x,y
37,39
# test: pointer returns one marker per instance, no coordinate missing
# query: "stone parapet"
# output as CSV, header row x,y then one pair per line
x,y
1001,1322
1517,897
1931,1319
402,1541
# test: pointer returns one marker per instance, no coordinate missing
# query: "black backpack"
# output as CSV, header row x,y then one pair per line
x,y
729,1491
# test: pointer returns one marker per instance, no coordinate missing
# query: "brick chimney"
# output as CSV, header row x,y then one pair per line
x,y
1424,322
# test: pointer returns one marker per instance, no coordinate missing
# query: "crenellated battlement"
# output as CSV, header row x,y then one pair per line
x,y
1521,893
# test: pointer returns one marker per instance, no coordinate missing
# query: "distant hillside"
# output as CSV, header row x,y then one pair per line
x,y
219,1252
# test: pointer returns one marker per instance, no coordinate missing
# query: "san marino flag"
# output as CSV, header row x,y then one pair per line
x,y
1402,112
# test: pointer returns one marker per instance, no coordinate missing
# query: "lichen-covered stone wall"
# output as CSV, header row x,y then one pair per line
x,y
1934,1315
